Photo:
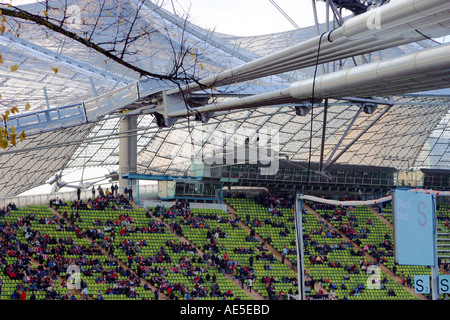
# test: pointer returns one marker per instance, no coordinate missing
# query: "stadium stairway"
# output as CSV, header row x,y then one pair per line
x,y
274,251
76,292
254,295
269,247
368,256
389,224
60,279
380,216
162,296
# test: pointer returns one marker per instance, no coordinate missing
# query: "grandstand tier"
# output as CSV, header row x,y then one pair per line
x,y
144,157
248,252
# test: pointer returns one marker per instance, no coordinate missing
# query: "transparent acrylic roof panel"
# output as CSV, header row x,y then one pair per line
x,y
437,146
393,141
37,159
105,151
78,65
36,78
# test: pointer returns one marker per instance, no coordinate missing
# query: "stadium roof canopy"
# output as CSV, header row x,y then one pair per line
x,y
77,94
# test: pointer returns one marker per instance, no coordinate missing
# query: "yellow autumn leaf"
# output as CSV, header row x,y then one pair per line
x,y
13,130
45,13
0,96
22,136
27,107
14,68
192,55
8,5
3,143
14,110
55,70
201,66
13,139
2,28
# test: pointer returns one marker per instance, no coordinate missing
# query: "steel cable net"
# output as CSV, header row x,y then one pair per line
x,y
37,159
414,126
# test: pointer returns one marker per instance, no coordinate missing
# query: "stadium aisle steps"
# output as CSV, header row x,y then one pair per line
x,y
389,224
375,212
76,292
270,247
368,256
123,265
275,252
255,295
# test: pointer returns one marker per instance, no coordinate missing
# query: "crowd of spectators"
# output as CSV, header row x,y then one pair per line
x,y
274,201
44,277
51,250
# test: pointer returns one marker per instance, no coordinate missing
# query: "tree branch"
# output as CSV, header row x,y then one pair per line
x,y
21,14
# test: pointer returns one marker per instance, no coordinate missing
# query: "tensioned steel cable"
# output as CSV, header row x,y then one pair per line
x,y
312,111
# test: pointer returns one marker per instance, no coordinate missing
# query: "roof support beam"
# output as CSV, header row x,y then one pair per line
x,y
46,97
420,71
46,54
403,21
324,127
94,90
127,151
331,160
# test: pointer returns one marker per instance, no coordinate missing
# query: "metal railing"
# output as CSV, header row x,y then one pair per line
x,y
83,112
145,192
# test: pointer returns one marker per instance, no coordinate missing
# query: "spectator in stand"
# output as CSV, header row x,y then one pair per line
x,y
391,293
283,257
250,284
130,194
85,291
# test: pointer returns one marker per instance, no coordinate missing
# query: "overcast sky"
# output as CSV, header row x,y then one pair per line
x,y
247,17
241,17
